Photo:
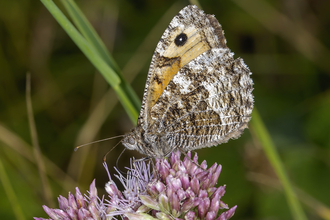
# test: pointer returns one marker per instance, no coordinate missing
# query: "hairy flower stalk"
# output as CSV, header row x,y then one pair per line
x,y
179,189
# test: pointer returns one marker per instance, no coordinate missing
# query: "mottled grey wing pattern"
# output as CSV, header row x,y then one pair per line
x,y
208,102
197,95
203,32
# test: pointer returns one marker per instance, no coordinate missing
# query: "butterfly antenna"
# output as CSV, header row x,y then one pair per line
x,y
105,156
122,172
93,142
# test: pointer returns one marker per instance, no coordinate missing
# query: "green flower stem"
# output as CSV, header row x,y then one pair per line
x,y
269,148
91,52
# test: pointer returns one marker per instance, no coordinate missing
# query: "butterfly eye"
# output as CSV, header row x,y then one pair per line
x,y
181,39
131,141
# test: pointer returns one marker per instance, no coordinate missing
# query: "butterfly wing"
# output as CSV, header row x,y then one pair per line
x,y
196,94
190,33
208,102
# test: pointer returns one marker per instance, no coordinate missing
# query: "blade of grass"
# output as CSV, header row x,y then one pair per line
x,y
47,192
260,131
91,53
10,193
87,30
93,38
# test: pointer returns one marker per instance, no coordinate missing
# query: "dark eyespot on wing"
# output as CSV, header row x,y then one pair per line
x,y
181,39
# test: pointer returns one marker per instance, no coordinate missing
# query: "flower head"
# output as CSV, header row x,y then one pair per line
x,y
183,189
78,207
177,189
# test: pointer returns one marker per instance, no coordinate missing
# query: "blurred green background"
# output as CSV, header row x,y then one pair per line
x,y
285,44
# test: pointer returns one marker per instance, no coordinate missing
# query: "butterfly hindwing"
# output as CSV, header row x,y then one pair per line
x,y
207,102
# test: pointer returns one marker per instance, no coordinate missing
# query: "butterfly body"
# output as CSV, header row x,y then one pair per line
x,y
196,95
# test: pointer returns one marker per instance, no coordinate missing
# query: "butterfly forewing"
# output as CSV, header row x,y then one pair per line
x,y
198,33
197,95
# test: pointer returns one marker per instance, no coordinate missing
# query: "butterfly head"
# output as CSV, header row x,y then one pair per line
x,y
129,141
134,141
148,144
